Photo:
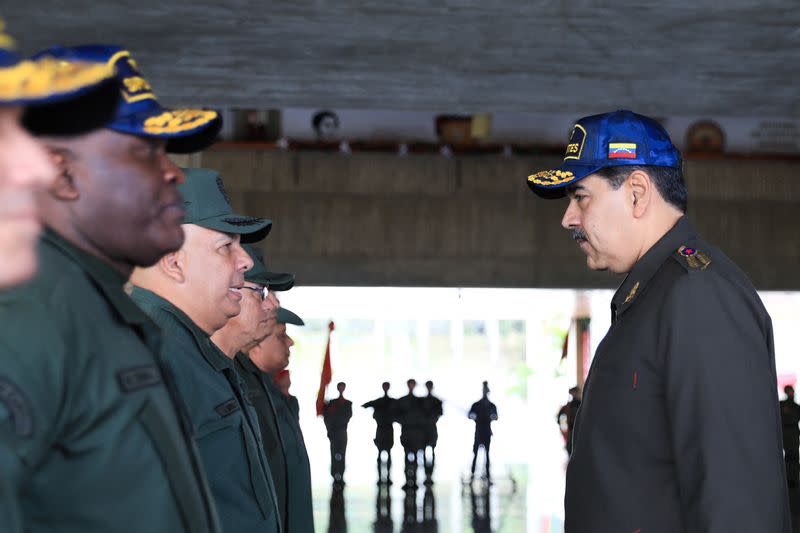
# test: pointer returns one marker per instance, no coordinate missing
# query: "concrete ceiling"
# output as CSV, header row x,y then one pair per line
x,y
680,57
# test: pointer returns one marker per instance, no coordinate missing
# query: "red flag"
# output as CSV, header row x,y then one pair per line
x,y
325,378
565,347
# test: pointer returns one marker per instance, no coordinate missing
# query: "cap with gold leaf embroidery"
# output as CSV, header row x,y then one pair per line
x,y
73,96
608,140
139,112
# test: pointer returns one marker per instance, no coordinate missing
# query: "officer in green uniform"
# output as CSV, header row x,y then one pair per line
x,y
252,325
654,447
92,435
69,98
257,368
191,294
301,509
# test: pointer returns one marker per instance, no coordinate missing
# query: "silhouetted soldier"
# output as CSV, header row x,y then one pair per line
x,y
337,414
483,412
790,417
432,411
383,411
566,416
412,435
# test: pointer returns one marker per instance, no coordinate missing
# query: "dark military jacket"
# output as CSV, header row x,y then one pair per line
x,y
432,412
300,507
384,413
657,446
483,412
91,435
337,414
411,417
224,421
263,403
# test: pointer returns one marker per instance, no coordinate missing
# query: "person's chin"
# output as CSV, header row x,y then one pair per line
x,y
19,265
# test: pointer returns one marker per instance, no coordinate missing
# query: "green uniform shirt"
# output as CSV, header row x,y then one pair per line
x,y
300,506
90,437
267,420
224,421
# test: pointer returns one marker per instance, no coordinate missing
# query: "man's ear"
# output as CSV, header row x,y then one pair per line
x,y
63,187
640,186
174,265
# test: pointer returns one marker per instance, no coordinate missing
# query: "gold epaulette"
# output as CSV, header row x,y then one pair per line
x,y
693,257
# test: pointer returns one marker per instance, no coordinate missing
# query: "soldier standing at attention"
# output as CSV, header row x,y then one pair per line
x,y
790,418
92,435
412,432
337,414
483,412
432,412
654,449
191,294
383,411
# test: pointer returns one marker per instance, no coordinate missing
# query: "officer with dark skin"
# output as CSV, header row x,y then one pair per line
x,y
790,418
483,412
566,416
92,435
383,411
412,431
301,509
654,448
432,412
70,98
191,294
337,414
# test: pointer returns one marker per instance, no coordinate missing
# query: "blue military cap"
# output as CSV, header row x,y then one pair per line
x,y
139,112
611,139
73,96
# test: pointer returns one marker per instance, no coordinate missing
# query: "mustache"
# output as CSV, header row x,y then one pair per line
x,y
578,234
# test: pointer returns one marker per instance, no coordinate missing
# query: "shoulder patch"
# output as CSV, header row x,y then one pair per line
x,y
18,407
693,258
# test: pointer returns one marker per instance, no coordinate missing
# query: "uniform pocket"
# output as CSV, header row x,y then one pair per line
x,y
174,458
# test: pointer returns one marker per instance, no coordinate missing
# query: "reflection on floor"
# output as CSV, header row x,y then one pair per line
x,y
459,506
478,507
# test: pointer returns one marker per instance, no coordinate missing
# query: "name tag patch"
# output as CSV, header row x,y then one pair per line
x,y
227,408
138,377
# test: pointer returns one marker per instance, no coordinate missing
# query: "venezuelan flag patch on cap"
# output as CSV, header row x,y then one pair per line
x,y
622,150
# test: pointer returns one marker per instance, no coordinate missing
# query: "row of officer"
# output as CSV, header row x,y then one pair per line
x,y
116,416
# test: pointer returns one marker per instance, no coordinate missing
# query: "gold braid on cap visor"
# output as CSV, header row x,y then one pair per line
x,y
47,77
178,120
550,178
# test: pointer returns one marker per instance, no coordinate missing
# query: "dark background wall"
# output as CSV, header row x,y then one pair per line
x,y
381,219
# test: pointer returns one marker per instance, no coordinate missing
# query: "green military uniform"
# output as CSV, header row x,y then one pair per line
x,y
225,424
259,395
300,506
224,421
90,437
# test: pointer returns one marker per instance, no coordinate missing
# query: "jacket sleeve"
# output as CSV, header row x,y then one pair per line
x,y
30,394
722,406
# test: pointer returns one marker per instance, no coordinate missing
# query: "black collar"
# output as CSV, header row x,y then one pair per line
x,y
647,266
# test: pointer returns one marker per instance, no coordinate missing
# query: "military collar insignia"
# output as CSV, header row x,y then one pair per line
x,y
632,294
694,257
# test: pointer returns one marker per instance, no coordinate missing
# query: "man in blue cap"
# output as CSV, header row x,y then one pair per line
x,y
38,97
92,437
654,449
191,294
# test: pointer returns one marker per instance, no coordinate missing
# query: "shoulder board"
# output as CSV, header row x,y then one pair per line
x,y
691,258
